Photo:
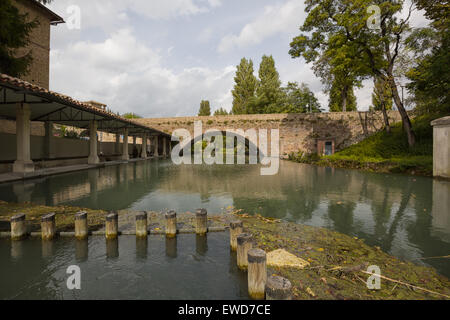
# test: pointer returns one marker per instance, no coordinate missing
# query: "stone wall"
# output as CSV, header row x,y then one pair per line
x,y
67,151
298,132
40,44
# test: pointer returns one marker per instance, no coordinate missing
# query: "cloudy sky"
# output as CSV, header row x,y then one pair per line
x,y
160,58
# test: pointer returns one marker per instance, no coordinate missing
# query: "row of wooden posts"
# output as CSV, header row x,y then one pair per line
x,y
254,261
249,259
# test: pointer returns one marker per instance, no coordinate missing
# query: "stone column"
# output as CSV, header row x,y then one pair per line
x,y
156,154
125,154
49,145
99,142
441,147
93,144
117,145
23,161
164,147
144,146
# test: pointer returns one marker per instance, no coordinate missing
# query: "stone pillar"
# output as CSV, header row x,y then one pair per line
x,y
117,145
164,147
156,140
125,154
441,147
99,142
49,145
441,209
23,163
93,144
144,146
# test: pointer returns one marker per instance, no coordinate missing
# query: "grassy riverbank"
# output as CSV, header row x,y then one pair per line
x,y
337,262
383,152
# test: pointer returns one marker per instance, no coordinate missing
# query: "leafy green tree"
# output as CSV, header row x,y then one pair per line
x,y
340,75
430,78
340,29
300,99
245,86
382,100
269,94
131,115
220,112
205,108
342,98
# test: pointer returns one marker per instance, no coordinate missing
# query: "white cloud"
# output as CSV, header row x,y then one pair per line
x,y
128,76
276,19
109,14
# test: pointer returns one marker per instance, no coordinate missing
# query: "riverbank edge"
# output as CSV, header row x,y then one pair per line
x,y
394,166
337,262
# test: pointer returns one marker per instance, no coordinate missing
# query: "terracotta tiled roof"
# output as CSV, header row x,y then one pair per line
x,y
9,81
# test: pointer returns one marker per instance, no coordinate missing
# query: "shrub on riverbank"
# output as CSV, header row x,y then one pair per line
x,y
383,152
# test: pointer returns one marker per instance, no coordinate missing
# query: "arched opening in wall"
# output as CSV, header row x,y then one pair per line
x,y
240,149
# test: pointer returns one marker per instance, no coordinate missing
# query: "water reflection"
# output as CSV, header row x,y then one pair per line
x,y
406,216
16,249
112,248
81,250
30,276
47,248
171,247
201,244
141,248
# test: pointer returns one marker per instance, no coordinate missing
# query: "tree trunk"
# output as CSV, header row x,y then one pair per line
x,y
407,126
386,118
344,99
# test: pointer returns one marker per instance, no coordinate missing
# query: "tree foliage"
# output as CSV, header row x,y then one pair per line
x,y
299,99
430,77
381,96
336,32
15,29
342,98
269,95
245,86
131,115
205,108
220,112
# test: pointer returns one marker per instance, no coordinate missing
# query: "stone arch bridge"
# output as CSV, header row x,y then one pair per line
x,y
311,133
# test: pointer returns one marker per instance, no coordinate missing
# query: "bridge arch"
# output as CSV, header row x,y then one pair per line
x,y
247,140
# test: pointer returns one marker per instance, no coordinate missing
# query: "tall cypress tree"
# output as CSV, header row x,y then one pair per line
x,y
205,108
244,88
269,93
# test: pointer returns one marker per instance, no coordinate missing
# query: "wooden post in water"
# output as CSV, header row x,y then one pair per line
x,y
81,225
235,230
201,222
112,226
171,224
278,288
244,244
141,225
48,226
18,227
257,273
